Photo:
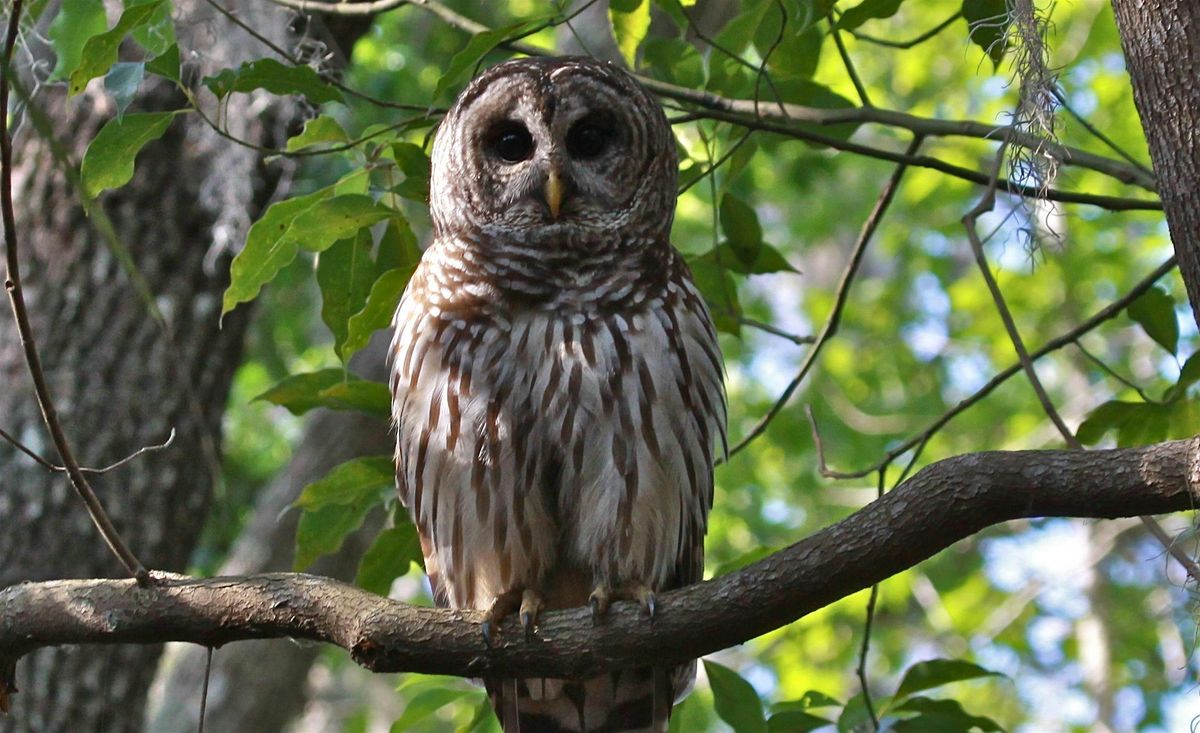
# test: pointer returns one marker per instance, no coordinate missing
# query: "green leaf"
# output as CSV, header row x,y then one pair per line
x,y
345,273
100,51
810,699
331,388
795,721
322,532
424,704
319,226
300,393
166,64
414,164
941,716
397,247
938,672
765,261
390,556
1189,374
1154,311
349,483
855,716
465,61
122,82
715,283
1184,420
483,719
157,34
1099,421
267,248
740,224
735,700
741,561
76,23
378,310
630,20
868,10
274,77
987,26
318,130
674,60
739,32
108,162
362,395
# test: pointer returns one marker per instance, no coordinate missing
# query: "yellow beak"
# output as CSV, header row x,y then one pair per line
x,y
554,192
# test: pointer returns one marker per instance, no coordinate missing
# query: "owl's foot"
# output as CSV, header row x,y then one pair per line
x,y
531,606
501,606
526,602
602,597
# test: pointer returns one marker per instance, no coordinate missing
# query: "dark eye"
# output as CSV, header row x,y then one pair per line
x,y
588,139
511,142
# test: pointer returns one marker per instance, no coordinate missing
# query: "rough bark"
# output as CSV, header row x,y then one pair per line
x,y
119,381
943,503
265,545
1161,40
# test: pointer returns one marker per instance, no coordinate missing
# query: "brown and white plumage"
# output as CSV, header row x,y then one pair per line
x,y
557,384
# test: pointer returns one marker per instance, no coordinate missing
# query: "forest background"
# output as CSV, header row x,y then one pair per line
x,y
829,155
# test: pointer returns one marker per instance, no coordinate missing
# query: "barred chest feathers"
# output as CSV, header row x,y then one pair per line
x,y
556,424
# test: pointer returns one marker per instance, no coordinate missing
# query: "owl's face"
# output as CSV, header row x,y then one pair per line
x,y
543,146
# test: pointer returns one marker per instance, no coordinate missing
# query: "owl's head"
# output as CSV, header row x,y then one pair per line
x,y
545,147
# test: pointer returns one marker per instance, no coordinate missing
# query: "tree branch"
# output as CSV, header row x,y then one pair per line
x,y
941,504
788,119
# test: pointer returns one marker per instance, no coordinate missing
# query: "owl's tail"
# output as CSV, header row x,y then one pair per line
x,y
628,701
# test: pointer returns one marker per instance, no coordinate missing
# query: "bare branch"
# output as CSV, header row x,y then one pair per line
x,y
788,119
1106,313
33,360
941,504
842,294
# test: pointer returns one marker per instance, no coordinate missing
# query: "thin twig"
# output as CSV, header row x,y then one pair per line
x,y
1099,134
788,117
799,132
1113,373
850,70
1106,313
986,203
775,331
28,451
915,41
33,359
50,466
139,452
868,623
296,61
204,690
841,295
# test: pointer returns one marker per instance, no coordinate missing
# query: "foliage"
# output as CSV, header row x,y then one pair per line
x,y
766,221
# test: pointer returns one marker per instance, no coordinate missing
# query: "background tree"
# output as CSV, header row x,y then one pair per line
x,y
846,141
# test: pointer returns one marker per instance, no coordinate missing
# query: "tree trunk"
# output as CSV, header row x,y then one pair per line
x,y
1161,39
119,381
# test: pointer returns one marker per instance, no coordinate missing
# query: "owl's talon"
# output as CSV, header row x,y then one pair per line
x,y
531,606
502,605
650,603
599,601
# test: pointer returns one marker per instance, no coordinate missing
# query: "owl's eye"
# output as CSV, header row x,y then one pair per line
x,y
588,138
511,142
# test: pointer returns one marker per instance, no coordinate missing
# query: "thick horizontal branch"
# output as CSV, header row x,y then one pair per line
x,y
940,505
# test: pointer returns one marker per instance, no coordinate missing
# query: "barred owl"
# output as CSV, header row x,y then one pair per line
x,y
556,378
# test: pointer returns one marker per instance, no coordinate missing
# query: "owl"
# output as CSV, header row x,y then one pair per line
x,y
557,385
